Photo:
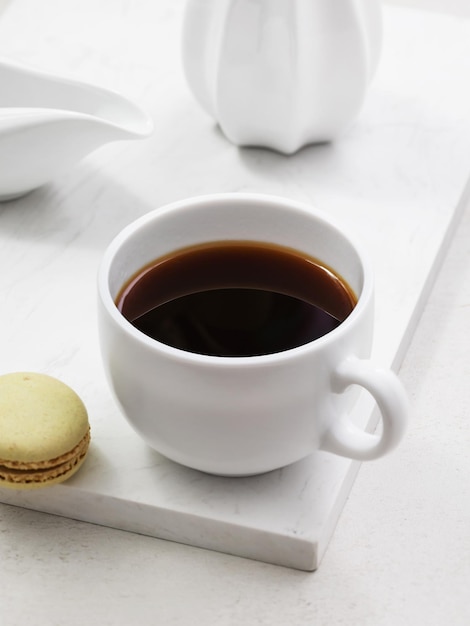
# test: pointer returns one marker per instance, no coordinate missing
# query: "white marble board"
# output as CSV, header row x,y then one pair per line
x,y
396,179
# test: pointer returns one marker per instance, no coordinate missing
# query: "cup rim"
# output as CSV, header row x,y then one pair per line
x,y
220,361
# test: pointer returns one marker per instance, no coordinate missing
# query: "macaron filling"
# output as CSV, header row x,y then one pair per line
x,y
44,471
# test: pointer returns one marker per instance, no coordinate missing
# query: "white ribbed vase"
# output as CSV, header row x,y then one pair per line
x,y
281,73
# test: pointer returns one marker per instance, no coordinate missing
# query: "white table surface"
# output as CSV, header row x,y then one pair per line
x,y
409,564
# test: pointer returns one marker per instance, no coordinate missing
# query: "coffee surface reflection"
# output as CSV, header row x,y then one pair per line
x,y
234,299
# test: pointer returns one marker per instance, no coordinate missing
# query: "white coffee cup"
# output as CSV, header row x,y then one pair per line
x,y
246,415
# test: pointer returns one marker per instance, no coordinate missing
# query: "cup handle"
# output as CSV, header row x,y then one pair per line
x,y
343,437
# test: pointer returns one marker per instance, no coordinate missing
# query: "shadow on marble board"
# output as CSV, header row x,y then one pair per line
x,y
84,209
223,496
268,165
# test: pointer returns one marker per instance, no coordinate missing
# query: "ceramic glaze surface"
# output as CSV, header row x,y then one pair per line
x,y
246,415
281,74
47,123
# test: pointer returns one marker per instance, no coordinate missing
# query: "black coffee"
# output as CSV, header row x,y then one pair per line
x,y
235,299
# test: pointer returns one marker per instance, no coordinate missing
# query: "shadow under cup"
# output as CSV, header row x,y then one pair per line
x,y
232,415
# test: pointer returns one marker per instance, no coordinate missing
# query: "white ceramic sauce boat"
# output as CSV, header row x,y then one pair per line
x,y
48,123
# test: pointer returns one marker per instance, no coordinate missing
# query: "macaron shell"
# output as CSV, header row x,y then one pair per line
x,y
41,418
